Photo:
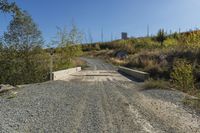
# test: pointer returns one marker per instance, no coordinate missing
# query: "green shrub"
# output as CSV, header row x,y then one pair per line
x,y
17,68
191,40
170,42
64,56
182,76
146,43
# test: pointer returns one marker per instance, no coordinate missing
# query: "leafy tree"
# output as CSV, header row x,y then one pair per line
x,y
64,38
23,34
75,36
7,7
1,44
23,61
161,36
90,37
176,35
1,49
67,46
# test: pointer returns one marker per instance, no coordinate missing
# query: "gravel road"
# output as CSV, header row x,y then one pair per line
x,y
96,100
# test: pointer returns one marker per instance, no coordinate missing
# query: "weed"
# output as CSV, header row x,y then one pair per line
x,y
12,95
156,84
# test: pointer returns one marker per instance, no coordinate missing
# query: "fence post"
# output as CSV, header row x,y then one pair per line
x,y
51,64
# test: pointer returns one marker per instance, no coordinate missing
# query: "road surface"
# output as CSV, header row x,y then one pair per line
x,y
96,100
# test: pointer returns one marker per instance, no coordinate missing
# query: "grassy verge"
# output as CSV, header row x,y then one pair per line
x,y
117,62
65,64
193,103
156,84
80,63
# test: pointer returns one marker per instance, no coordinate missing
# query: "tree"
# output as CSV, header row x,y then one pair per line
x,y
22,60
67,48
1,47
90,37
23,34
64,38
75,35
9,7
176,35
161,36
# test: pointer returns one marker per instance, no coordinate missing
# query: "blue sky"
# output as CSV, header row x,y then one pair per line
x,y
113,16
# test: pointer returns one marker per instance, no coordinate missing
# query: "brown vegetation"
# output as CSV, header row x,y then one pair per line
x,y
147,54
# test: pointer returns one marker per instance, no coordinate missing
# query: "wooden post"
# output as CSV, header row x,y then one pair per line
x,y
51,64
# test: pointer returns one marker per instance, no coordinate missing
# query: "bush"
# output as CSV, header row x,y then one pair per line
x,y
16,68
146,43
182,76
64,55
127,45
24,67
170,42
191,40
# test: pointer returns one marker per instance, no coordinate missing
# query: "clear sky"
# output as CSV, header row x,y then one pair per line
x,y
113,16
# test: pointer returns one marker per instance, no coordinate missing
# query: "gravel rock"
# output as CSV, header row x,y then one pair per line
x,y
4,88
93,106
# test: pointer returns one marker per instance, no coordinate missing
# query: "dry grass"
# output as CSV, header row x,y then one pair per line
x,y
118,62
79,63
102,54
156,84
148,55
193,103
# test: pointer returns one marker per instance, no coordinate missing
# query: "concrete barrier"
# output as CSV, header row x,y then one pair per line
x,y
134,73
63,74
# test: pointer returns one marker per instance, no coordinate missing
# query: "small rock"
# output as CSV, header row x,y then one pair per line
x,y
4,88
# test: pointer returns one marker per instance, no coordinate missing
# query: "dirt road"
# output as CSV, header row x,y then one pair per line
x,y
96,100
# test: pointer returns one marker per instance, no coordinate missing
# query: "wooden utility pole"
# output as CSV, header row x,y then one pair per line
x,y
51,64
147,30
170,32
102,35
